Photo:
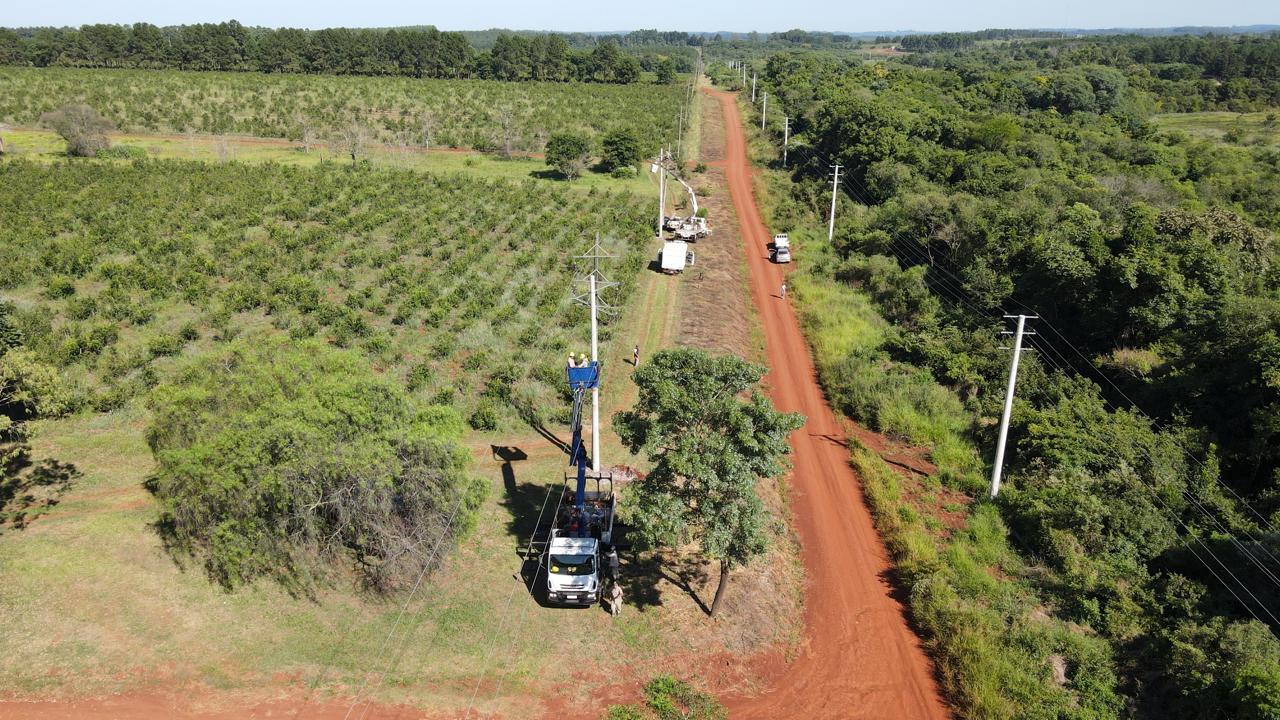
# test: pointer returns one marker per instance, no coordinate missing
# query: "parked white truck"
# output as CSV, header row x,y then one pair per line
x,y
674,256
781,248
575,559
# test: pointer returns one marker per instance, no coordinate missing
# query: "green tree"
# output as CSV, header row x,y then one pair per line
x,y
282,460
666,71
619,148
568,153
29,389
709,445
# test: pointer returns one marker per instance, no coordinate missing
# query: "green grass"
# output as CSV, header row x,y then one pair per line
x,y
46,146
1259,128
88,592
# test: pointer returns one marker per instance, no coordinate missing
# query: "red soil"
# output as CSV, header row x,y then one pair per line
x,y
860,659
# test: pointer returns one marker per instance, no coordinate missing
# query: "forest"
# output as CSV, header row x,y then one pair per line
x,y
419,53
1141,498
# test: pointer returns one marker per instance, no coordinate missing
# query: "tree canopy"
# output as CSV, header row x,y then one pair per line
x,y
711,435
568,153
289,460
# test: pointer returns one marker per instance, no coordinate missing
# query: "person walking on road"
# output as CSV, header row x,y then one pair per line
x,y
784,291
635,357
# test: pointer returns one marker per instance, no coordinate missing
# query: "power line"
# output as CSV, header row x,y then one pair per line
x,y
417,584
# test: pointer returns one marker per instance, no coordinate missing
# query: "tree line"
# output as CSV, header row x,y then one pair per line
x,y
420,53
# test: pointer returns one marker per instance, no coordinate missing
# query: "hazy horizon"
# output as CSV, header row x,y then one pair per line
x,y
714,16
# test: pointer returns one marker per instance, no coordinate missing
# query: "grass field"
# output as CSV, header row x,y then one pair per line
x,y
1260,128
46,146
479,114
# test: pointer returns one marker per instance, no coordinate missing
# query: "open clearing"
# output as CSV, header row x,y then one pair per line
x,y
1258,128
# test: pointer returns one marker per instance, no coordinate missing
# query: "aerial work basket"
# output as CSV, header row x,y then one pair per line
x,y
584,378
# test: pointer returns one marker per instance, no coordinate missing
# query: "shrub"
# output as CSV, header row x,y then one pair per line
x,y
281,460
568,153
82,127
619,148
484,418
121,152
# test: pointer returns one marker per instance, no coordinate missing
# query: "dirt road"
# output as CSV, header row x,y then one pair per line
x,y
859,659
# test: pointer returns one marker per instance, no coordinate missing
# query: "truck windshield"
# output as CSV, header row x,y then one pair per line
x,y
573,564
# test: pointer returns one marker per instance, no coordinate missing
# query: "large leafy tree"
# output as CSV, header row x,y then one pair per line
x,y
568,153
282,460
619,148
711,435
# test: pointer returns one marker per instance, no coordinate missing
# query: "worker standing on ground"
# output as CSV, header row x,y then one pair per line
x,y
635,357
615,598
784,291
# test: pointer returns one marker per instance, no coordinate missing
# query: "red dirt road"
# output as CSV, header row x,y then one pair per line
x,y
859,659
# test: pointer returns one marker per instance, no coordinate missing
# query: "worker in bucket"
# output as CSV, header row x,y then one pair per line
x,y
615,598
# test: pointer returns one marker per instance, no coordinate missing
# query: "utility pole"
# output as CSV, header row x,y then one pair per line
x,y
764,112
659,168
835,183
753,87
1008,398
743,65
595,283
786,137
595,390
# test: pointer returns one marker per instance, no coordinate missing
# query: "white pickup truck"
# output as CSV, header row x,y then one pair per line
x,y
781,248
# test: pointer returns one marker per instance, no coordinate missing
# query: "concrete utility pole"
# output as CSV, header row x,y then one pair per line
x,y
662,190
595,390
753,87
997,469
764,111
786,137
835,183
744,72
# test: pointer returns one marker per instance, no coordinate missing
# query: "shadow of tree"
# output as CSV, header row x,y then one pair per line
x,y
29,489
643,575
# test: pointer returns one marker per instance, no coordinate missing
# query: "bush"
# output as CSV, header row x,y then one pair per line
x,y
121,152
281,460
82,127
568,153
619,149
484,418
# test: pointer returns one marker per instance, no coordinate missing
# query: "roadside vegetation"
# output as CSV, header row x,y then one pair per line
x,y
711,436
500,117
1128,566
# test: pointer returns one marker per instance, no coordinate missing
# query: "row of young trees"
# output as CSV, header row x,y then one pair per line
x,y
416,53
1150,259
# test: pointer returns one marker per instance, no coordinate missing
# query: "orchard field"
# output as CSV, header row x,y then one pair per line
x,y
477,114
460,286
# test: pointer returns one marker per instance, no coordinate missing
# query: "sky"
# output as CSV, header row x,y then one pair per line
x,y
708,15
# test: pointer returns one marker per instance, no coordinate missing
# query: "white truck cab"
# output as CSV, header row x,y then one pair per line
x,y
573,570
